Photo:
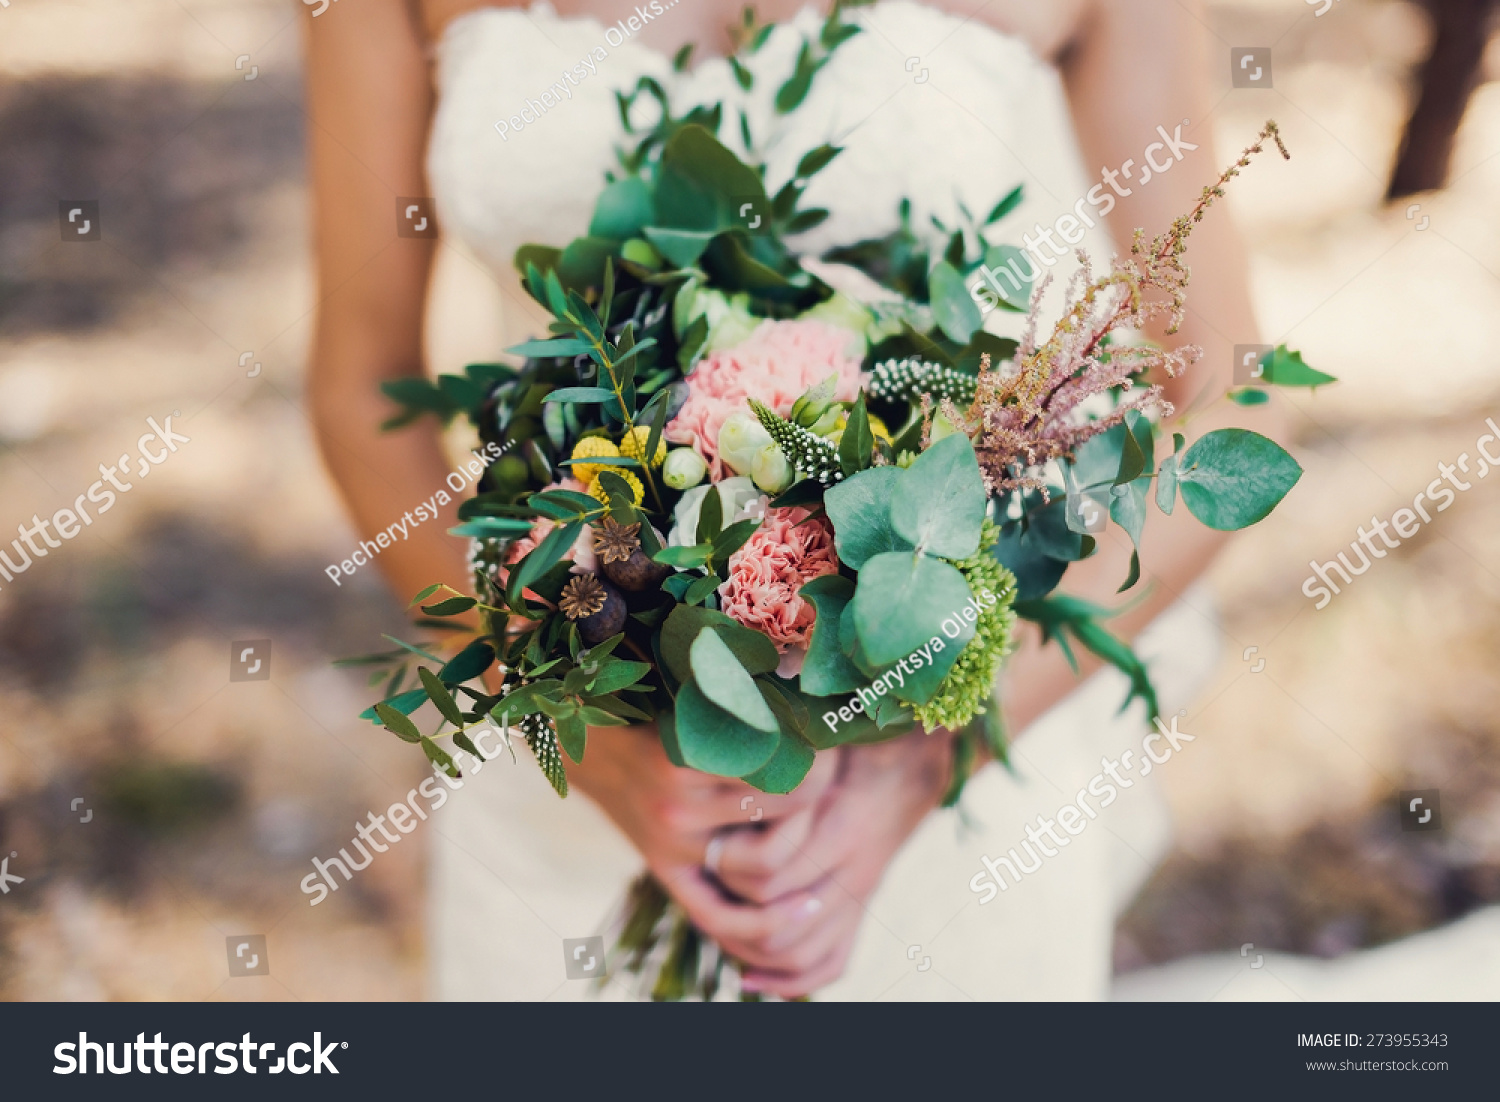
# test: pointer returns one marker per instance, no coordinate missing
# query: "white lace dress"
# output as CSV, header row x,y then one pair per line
x,y
927,106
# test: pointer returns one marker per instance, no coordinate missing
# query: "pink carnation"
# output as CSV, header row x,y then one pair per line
x,y
766,574
580,554
775,365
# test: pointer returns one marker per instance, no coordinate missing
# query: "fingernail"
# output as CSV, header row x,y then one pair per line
x,y
811,907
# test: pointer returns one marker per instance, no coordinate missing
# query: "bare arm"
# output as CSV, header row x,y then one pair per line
x,y
369,101
1134,65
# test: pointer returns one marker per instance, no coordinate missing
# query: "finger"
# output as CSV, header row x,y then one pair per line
x,y
743,931
749,859
838,828
810,964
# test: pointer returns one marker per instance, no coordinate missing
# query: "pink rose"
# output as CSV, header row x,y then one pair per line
x,y
776,366
766,574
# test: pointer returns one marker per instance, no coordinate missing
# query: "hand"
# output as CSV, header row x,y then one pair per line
x,y
800,883
671,814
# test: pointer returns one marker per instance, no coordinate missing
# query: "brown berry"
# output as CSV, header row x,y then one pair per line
x,y
637,573
610,619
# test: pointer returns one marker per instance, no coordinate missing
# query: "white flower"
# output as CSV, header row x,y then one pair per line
x,y
740,438
738,496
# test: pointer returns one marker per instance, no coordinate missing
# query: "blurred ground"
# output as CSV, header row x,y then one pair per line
x,y
205,799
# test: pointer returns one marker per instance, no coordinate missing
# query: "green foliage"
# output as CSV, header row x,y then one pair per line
x,y
969,685
1231,478
1283,367
1062,617
860,510
940,501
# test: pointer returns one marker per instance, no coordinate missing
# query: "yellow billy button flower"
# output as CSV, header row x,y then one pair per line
x,y
633,445
597,491
591,447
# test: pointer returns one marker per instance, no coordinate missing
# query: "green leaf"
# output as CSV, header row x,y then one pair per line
x,y
755,652
857,441
490,528
1011,273
453,605
623,209
563,347
827,670
1166,485
581,394
428,592
1281,367
439,757
397,723
701,589
816,160
414,650
468,663
700,185
1135,572
438,693
572,734
463,742
684,558
405,703
956,312
598,717
681,247
1005,206
731,539
1132,459
1248,396
787,767
901,603
860,509
712,740
940,503
742,76
725,682
616,675
541,559
564,504
795,90
710,516
1231,478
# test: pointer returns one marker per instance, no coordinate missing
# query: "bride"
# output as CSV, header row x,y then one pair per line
x,y
856,885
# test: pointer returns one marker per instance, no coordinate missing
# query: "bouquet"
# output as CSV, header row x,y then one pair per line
x,y
774,504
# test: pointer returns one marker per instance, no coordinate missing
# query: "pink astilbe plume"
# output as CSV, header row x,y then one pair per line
x,y
1029,414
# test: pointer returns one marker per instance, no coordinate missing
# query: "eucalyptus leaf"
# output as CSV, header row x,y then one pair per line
x,y
860,509
901,603
724,681
826,670
712,740
1232,478
955,310
940,503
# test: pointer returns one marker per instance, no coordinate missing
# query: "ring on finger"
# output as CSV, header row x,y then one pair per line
x,y
714,854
